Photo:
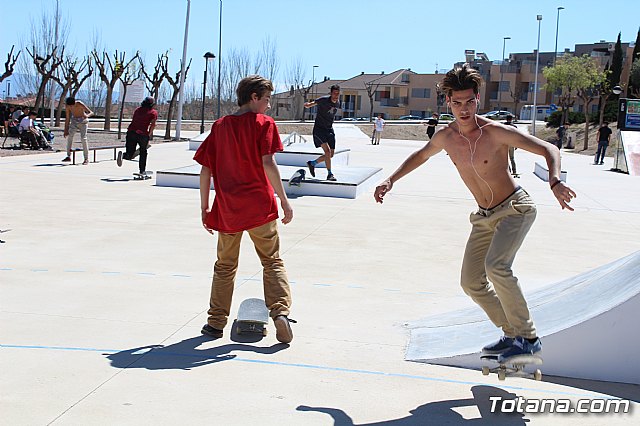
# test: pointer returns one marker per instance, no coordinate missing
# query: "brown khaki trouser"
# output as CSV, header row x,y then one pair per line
x,y
495,238
277,294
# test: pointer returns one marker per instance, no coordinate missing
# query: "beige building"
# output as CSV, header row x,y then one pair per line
x,y
510,85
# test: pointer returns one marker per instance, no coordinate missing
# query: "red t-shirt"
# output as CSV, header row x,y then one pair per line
x,y
233,151
142,118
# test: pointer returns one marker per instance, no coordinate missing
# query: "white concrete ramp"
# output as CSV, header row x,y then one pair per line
x,y
588,325
352,181
627,157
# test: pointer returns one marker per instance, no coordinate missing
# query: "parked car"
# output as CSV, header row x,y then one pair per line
x,y
446,117
348,119
409,117
497,115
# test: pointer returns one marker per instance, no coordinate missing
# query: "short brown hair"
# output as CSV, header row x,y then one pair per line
x,y
461,78
250,85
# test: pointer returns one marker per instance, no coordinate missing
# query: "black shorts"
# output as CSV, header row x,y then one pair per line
x,y
321,136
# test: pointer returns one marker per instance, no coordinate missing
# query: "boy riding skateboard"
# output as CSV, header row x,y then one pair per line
x,y
239,154
478,148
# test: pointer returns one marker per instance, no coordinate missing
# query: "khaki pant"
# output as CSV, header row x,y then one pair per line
x,y
277,293
495,238
81,126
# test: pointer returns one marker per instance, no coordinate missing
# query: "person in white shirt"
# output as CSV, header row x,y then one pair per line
x,y
29,131
379,127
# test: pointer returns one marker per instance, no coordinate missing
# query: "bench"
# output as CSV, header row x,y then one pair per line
x,y
543,173
94,149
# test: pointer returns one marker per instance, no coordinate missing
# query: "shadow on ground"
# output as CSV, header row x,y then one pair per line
x,y
442,412
183,355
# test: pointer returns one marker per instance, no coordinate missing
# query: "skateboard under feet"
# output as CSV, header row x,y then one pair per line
x,y
142,176
513,367
253,316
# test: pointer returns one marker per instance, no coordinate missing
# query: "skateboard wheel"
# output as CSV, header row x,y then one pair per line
x,y
502,375
264,331
537,375
238,330
485,371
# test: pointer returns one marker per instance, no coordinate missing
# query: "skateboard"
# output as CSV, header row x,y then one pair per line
x,y
373,136
297,178
515,175
142,176
253,316
514,367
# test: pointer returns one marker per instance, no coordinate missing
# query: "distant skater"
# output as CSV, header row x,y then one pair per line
x,y
323,135
239,154
432,123
478,148
139,133
378,129
76,120
604,137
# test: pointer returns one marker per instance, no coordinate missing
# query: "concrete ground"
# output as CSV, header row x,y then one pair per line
x,y
104,286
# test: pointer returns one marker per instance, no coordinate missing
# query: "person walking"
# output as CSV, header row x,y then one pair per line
x,y
76,120
378,128
604,137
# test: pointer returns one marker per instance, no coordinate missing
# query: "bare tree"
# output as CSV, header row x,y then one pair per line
x,y
294,77
127,78
372,88
110,73
516,95
10,64
154,81
46,67
175,85
67,78
271,64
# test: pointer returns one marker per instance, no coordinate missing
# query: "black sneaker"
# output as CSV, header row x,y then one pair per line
x,y
284,334
312,168
505,343
210,331
331,177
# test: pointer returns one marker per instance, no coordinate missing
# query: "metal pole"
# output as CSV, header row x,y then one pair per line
x,y
182,69
555,52
535,84
504,42
52,92
8,89
204,94
219,57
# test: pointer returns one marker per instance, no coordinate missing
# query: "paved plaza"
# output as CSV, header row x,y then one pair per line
x,y
104,286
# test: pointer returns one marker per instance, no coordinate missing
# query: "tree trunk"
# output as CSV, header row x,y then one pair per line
x,y
63,95
107,108
124,96
172,103
603,104
586,125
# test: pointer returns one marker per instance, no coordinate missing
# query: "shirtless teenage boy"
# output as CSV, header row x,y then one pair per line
x,y
77,119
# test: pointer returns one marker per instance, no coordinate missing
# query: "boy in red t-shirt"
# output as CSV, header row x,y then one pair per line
x,y
239,154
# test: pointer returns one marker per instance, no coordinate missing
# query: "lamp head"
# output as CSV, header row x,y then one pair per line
x,y
617,90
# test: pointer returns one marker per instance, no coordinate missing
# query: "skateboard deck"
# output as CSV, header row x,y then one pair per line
x,y
297,178
515,175
143,176
514,367
253,316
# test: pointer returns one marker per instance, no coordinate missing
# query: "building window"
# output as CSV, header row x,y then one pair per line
x,y
382,95
505,86
420,93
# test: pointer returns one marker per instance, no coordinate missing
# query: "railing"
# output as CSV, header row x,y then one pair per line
x,y
294,137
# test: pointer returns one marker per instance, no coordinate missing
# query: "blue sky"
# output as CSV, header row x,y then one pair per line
x,y
342,37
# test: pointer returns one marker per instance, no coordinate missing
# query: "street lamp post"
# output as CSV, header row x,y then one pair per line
x,y
535,84
313,81
555,52
40,60
207,57
504,41
219,57
182,71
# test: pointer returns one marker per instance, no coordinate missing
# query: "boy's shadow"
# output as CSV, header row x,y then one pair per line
x,y
183,355
442,412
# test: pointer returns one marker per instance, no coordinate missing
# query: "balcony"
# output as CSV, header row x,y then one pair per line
x,y
395,102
